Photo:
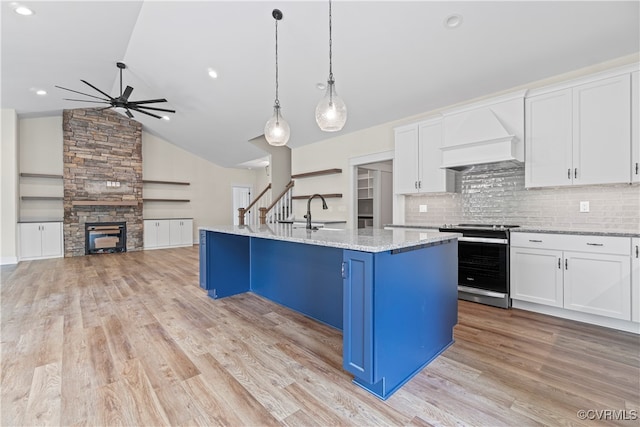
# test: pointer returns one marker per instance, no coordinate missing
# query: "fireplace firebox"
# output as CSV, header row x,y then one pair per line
x,y
105,237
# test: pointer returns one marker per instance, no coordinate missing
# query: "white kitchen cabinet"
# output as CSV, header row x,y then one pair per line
x,y
156,234
418,158
635,279
536,276
635,126
41,240
579,135
181,232
589,274
166,233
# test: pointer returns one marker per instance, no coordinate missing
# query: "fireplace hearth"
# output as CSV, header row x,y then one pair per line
x,y
105,237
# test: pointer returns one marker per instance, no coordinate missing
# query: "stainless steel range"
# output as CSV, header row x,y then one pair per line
x,y
483,263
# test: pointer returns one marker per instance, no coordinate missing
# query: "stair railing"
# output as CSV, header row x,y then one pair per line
x,y
242,212
281,208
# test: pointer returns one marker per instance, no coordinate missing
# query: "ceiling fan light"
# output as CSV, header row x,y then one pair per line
x,y
23,10
331,111
276,130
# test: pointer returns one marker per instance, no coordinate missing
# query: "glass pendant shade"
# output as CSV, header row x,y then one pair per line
x,y
277,131
331,111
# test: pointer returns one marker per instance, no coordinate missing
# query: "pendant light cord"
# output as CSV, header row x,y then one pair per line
x,y
277,102
330,46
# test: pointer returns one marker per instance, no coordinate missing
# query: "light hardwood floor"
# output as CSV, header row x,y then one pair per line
x,y
130,339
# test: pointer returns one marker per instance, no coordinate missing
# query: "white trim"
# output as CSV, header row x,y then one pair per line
x,y
520,94
607,322
8,260
568,84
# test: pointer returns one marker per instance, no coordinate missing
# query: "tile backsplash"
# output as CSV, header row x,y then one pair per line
x,y
485,194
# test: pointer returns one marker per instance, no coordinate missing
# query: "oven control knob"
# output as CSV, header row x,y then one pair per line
x,y
495,227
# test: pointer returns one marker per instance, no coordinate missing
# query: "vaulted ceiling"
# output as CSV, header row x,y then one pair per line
x,y
392,59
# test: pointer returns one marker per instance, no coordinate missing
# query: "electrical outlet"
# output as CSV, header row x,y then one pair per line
x,y
423,208
584,206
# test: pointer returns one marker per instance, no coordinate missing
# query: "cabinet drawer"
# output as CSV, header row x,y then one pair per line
x,y
571,242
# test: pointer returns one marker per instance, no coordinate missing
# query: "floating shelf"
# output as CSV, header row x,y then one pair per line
x,y
326,196
41,198
104,203
149,181
166,200
40,175
316,173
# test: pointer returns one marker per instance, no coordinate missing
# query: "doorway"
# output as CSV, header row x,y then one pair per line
x,y
374,195
241,199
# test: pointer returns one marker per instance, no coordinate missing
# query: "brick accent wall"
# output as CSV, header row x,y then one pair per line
x,y
100,147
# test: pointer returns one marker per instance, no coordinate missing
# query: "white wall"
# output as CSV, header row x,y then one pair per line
x,y
9,187
209,190
40,148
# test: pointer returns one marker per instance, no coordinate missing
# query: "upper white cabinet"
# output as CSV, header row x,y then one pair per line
x,y
579,135
635,126
418,158
40,240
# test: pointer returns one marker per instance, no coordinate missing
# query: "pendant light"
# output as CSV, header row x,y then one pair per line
x,y
277,131
331,111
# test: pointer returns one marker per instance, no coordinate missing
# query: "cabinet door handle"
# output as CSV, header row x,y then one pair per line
x,y
566,264
637,168
569,173
575,173
343,271
535,241
595,244
415,184
637,252
419,184
559,264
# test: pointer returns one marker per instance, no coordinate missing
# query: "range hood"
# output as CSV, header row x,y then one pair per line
x,y
488,132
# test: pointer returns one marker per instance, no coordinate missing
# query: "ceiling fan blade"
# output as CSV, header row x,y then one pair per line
x,y
148,101
155,109
81,93
103,108
89,84
86,100
129,113
127,92
144,112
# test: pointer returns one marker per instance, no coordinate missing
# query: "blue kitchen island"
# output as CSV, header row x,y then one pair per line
x,y
393,293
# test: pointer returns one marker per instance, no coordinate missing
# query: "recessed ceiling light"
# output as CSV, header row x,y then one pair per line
x,y
167,118
453,21
321,86
41,92
212,73
22,10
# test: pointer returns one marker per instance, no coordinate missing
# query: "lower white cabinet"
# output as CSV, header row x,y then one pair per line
x,y
39,240
181,232
635,279
166,233
590,274
537,276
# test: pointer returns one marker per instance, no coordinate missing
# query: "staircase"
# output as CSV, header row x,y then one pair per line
x,y
270,210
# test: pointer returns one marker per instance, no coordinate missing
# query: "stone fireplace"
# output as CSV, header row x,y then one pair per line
x,y
102,176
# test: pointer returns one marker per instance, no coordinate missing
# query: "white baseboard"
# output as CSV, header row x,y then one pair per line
x,y
607,322
8,260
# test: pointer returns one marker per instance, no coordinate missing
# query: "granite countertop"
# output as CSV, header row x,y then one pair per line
x,y
162,219
558,230
421,226
313,221
365,240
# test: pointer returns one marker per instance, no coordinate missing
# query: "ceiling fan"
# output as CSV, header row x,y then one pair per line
x,y
122,101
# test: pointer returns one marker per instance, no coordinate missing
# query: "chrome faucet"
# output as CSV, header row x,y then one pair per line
x,y
308,215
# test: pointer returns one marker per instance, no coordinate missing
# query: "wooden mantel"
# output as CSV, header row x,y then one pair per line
x,y
104,203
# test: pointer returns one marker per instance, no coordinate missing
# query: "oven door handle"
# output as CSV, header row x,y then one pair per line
x,y
483,240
